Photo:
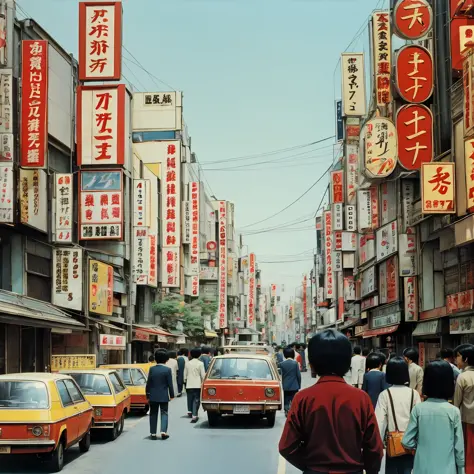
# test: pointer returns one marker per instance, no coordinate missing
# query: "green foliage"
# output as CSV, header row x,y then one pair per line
x,y
170,310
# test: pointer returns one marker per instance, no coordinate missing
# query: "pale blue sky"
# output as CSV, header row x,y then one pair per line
x,y
257,76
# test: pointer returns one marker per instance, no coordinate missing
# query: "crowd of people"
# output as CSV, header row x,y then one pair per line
x,y
366,401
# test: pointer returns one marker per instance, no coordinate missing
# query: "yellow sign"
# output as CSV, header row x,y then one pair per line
x,y
101,288
70,362
437,188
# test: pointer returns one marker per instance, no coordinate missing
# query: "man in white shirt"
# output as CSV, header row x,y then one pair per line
x,y
357,368
411,357
194,374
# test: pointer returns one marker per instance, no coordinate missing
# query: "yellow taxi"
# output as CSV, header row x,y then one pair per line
x,y
43,414
135,377
108,395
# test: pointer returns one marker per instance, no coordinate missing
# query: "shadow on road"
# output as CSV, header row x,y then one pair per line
x,y
234,422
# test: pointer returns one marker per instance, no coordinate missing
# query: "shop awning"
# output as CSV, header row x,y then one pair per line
x,y
249,332
107,324
36,313
379,332
210,334
153,330
427,328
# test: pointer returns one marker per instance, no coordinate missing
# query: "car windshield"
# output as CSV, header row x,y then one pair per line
x,y
23,395
240,368
92,384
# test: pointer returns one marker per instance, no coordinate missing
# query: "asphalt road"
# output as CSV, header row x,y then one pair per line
x,y
233,447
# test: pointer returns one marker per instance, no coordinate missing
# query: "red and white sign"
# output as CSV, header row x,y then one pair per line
x,y
469,160
140,202
352,173
383,57
438,188
374,206
349,288
337,240
222,309
252,292
380,148
101,125
459,302
101,205
466,38
415,74
34,104
329,276
410,285
366,248
141,255
109,342
100,41
64,205
305,301
412,19
153,265
388,280
415,136
337,186
170,267
468,84
6,193
364,216
194,251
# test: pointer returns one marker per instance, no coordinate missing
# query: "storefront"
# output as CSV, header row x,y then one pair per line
x,y
427,337
111,349
147,339
384,323
461,330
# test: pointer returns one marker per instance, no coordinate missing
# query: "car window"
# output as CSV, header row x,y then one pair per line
x,y
116,382
239,368
125,375
92,384
66,398
23,394
74,391
138,377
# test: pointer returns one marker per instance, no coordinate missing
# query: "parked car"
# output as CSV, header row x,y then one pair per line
x,y
242,384
108,395
135,377
43,414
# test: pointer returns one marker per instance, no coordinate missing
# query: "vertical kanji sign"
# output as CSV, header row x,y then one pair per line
x,y
222,239
64,207
469,160
381,147
100,41
353,84
412,19
34,104
382,57
337,187
194,250
438,188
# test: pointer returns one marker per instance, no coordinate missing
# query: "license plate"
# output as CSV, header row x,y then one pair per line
x,y
241,409
5,449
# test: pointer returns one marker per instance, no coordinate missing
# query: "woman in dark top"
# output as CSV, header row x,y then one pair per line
x,y
374,378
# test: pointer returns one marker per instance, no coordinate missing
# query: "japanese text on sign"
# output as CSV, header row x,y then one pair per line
x,y
153,270
194,250
6,193
222,310
161,98
328,255
33,199
468,84
64,206
101,288
170,267
68,362
380,147
252,292
352,173
141,255
337,183
437,188
171,196
67,267
382,57
140,203
412,19
469,160
6,107
353,84
34,120
411,299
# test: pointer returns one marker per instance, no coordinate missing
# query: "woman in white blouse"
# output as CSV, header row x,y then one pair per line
x,y
396,404
173,365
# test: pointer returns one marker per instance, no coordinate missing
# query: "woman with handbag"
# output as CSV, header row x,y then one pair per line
x,y
393,410
435,429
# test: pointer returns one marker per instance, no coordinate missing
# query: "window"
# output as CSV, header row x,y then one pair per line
x,y
126,377
64,394
116,382
138,377
74,391
239,368
152,136
92,384
23,395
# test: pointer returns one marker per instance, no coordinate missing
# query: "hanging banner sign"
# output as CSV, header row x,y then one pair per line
x,y
437,188
7,202
67,278
337,187
170,269
408,256
34,199
34,104
252,292
305,301
194,251
348,241
383,57
222,235
380,148
141,255
415,74
388,192
140,202
364,209
411,298
339,122
469,163
6,109
337,259
374,207
349,289
387,240
328,284
408,197
101,288
415,136
100,41
412,19
468,85
153,268
352,173
366,248
338,216
388,280
351,218
63,207
186,222
353,84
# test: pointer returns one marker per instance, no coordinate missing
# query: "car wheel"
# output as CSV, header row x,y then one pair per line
x,y
56,462
85,443
121,423
271,417
114,432
212,418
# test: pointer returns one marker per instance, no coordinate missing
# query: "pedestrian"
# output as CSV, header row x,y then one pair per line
x,y
357,368
393,411
464,399
331,427
391,355
279,355
151,359
447,355
291,377
298,358
159,391
435,429
205,357
416,372
172,363
182,361
194,374
302,353
374,379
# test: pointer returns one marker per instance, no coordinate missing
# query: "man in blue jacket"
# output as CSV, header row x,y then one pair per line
x,y
291,377
206,357
159,391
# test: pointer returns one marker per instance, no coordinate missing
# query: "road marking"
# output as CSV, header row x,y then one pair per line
x,y
281,465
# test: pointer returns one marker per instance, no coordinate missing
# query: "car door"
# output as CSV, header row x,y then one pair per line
x,y
70,412
81,405
122,395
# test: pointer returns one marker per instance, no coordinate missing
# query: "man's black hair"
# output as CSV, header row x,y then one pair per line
x,y
151,358
206,350
397,371
438,380
289,353
365,351
183,352
466,351
196,353
373,361
330,353
172,354
357,350
412,354
161,357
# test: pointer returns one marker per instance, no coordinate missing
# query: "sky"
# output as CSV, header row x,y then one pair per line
x,y
257,76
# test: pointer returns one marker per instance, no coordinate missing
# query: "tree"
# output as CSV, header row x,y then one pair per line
x,y
170,309
194,321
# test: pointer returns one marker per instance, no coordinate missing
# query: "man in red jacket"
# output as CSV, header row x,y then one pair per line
x,y
331,426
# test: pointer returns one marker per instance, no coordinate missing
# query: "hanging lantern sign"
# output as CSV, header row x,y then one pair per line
x,y
412,19
380,148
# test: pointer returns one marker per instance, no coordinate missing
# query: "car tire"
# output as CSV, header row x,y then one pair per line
x,y
85,443
212,418
56,463
114,432
271,417
121,423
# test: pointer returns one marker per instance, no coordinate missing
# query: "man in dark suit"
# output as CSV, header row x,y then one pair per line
x,y
374,379
159,391
291,377
279,355
182,360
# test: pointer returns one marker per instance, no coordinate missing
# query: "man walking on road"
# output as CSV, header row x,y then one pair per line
x,y
416,372
194,374
159,391
182,361
291,377
357,368
205,357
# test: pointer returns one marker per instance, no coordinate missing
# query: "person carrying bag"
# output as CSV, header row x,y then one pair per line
x,y
394,438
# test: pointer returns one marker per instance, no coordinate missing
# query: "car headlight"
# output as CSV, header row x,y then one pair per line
x,y
211,391
269,392
37,431
98,412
